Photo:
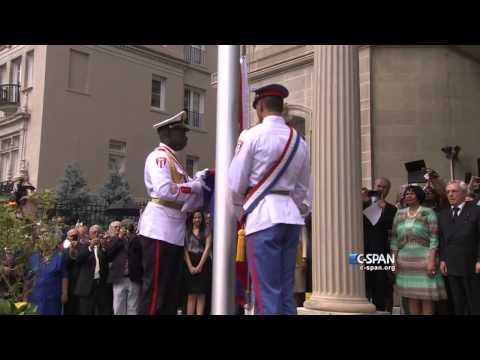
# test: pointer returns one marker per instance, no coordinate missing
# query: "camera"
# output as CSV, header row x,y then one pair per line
x,y
375,193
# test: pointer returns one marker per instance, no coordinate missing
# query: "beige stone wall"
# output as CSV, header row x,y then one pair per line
x,y
202,142
260,56
299,83
424,98
171,50
79,126
414,100
289,65
292,66
178,52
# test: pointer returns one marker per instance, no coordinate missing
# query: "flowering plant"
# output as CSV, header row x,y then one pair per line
x,y
24,229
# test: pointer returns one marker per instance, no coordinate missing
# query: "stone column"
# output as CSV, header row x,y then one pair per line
x,y
336,168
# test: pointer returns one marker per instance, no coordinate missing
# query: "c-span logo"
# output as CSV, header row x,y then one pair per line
x,y
352,259
371,262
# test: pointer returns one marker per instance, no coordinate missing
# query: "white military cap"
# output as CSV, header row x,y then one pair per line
x,y
178,120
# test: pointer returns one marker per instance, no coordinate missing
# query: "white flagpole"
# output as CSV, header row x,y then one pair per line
x,y
228,96
245,93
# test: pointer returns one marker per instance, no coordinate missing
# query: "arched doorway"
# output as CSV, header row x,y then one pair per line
x,y
299,117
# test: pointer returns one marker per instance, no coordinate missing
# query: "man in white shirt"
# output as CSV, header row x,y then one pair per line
x,y
162,224
270,169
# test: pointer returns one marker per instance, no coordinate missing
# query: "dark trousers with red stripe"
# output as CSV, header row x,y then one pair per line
x,y
162,274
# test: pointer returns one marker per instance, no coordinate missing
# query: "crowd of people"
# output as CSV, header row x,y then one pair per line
x,y
99,272
433,232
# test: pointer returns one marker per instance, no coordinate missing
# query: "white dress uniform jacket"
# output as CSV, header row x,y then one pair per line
x,y
257,149
158,221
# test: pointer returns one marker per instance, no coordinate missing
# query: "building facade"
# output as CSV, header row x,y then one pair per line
x,y
414,100
366,111
96,104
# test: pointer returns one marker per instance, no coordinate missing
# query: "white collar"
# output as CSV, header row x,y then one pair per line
x,y
274,119
459,206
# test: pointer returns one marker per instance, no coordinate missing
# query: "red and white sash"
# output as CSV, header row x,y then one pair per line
x,y
268,181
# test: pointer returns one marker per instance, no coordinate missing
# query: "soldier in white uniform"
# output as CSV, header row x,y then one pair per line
x,y
269,178
162,224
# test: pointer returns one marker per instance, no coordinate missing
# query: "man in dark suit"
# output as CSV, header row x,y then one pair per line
x,y
379,284
459,227
125,254
70,254
92,277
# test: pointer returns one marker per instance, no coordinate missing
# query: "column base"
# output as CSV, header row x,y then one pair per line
x,y
305,311
339,305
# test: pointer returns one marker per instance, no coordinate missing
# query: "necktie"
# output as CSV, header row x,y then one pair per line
x,y
455,212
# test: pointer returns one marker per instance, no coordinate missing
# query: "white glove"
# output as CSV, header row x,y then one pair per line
x,y
193,202
202,174
198,185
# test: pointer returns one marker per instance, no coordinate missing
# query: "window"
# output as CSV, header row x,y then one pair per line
x,y
192,165
117,156
78,71
195,54
15,71
9,159
298,123
29,70
158,91
193,102
3,75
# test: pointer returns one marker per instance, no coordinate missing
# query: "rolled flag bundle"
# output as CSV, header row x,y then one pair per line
x,y
242,280
241,264
209,195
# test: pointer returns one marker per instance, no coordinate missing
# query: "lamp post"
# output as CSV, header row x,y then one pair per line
x,y
451,152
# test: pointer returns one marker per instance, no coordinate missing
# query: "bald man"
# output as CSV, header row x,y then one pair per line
x,y
379,284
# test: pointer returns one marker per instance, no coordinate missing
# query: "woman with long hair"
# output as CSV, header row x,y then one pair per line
x,y
197,260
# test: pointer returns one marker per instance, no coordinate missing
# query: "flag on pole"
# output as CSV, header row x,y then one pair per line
x,y
242,280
